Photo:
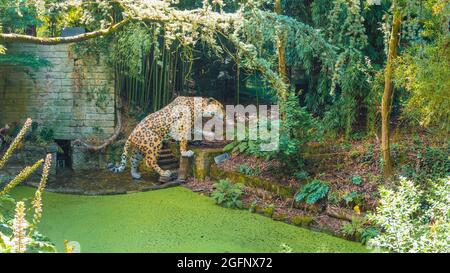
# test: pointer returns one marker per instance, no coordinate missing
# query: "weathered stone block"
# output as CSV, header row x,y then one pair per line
x,y
57,96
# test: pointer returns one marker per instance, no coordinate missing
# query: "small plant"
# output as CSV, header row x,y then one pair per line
x,y
285,248
368,234
369,154
312,192
353,198
355,228
359,230
334,198
301,176
357,180
253,206
227,194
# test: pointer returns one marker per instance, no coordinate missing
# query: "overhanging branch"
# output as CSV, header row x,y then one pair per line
x,y
12,37
110,140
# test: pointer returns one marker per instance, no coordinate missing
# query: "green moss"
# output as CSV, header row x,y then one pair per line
x,y
303,221
268,211
279,217
170,220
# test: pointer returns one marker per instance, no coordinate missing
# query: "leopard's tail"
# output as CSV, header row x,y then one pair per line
x,y
123,160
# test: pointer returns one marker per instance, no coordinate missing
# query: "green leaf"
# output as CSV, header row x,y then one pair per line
x,y
229,147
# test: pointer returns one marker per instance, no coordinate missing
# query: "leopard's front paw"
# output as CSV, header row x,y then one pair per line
x,y
187,153
136,175
167,173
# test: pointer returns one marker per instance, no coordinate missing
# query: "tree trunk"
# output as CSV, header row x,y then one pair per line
x,y
281,43
388,94
281,51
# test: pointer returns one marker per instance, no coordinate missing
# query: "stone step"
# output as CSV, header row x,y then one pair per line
x,y
167,161
165,151
164,156
171,167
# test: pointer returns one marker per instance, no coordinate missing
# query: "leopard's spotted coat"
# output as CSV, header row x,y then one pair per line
x,y
146,139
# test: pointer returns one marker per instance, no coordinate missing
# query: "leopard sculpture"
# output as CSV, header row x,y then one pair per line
x,y
146,139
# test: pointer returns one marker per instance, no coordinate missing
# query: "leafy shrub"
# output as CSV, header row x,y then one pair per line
x,y
412,220
29,60
298,128
227,194
312,192
431,163
423,71
45,136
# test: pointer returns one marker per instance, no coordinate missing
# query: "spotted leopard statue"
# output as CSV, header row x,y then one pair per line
x,y
146,140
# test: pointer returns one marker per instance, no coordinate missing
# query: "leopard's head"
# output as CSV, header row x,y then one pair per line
x,y
212,108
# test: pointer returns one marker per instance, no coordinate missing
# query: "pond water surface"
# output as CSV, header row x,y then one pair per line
x,y
170,220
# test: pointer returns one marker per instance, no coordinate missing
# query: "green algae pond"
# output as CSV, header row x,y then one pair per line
x,y
170,220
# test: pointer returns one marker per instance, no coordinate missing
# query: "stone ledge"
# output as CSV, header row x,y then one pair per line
x,y
106,191
251,181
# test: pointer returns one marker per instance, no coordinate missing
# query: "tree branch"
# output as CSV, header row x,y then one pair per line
x,y
110,140
12,37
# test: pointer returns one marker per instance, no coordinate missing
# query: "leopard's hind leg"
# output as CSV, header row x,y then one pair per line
x,y
135,160
151,156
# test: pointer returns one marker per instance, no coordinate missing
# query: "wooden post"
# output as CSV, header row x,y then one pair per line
x,y
185,166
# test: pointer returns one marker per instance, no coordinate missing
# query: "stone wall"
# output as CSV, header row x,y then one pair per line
x,y
27,155
73,96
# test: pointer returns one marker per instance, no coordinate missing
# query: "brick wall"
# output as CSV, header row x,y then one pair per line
x,y
74,96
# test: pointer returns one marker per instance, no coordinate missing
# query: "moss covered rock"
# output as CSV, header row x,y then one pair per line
x,y
302,221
